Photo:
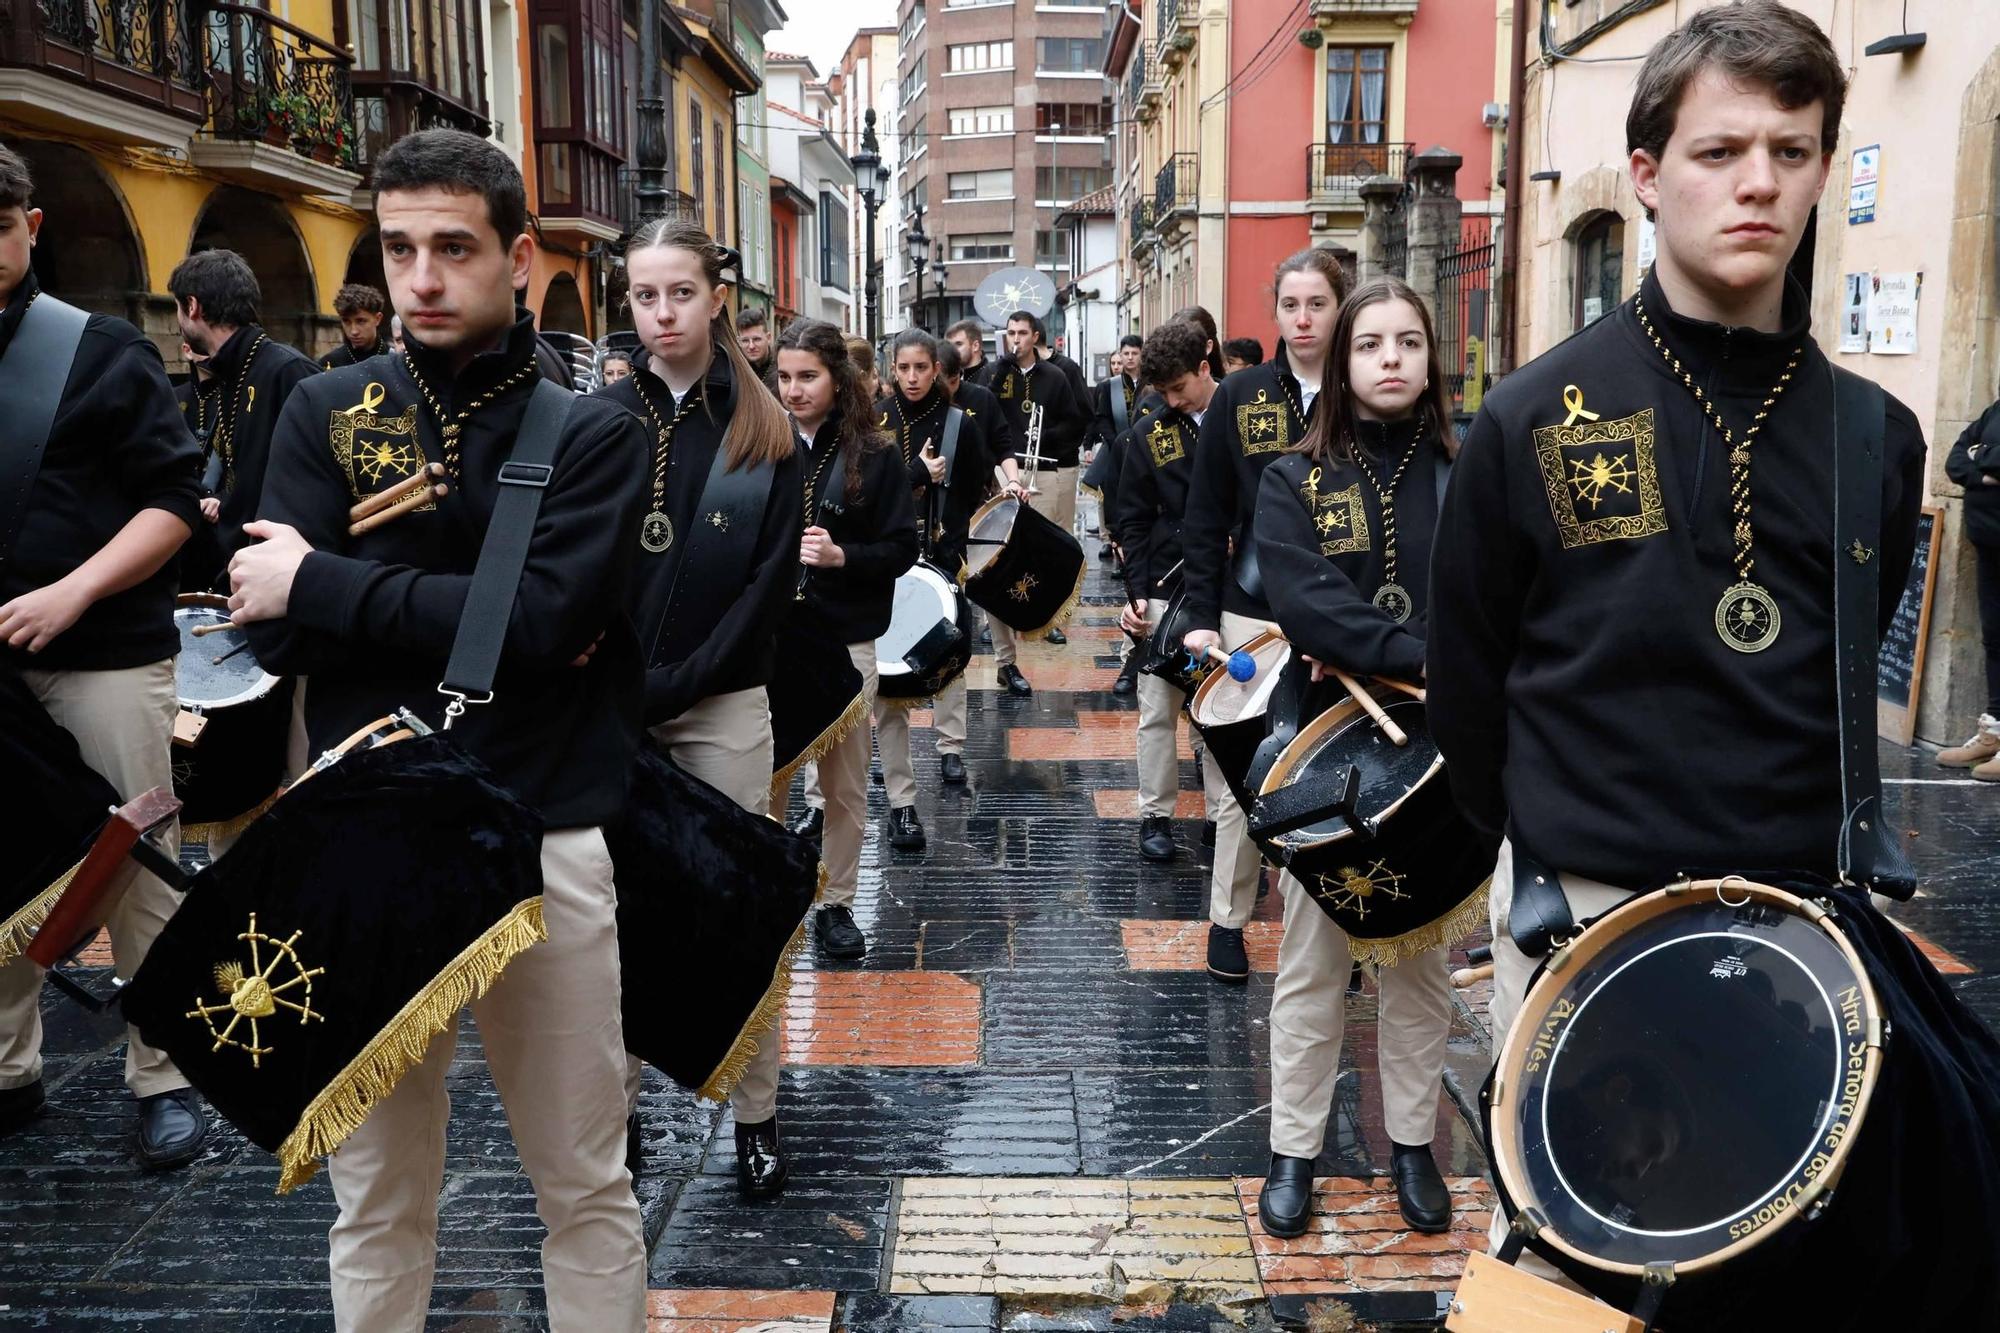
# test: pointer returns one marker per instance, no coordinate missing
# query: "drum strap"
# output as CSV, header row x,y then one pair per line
x,y
1114,389
489,602
1283,711
1539,914
954,422
1869,856
33,374
713,564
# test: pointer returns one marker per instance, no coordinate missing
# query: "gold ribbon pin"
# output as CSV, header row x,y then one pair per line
x,y
371,398
1573,400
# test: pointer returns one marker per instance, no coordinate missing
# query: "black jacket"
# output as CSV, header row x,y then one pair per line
x,y
1064,417
372,618
1322,545
1253,417
1104,426
876,531
1079,387
1974,457
999,439
734,651
344,355
1149,502
117,446
251,377
915,425
1578,686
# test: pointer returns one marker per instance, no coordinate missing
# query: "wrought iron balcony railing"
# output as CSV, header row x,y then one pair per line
x,y
146,51
678,203
1337,169
1142,221
272,81
1174,186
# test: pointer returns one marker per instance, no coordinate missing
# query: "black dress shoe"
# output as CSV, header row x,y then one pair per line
x,y
1420,1193
839,937
1285,1206
1227,960
20,1105
811,824
1208,834
905,833
1128,676
635,1146
986,635
1055,636
760,1160
1012,681
1156,838
951,768
172,1129
1105,552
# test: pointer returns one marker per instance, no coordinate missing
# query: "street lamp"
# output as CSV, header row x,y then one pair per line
x,y
869,174
919,248
937,277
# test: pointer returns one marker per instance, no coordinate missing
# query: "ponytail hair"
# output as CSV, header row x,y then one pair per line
x,y
1201,319
758,432
853,410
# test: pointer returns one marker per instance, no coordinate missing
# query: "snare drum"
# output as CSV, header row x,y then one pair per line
x,y
1161,653
929,639
229,741
1231,714
1020,567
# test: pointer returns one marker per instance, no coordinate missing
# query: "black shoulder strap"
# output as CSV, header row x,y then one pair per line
x,y
1114,389
489,602
1869,856
1441,469
714,561
954,422
32,376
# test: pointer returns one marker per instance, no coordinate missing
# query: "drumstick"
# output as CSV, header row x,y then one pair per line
x,y
1472,976
381,500
1395,733
216,627
414,500
1414,691
218,661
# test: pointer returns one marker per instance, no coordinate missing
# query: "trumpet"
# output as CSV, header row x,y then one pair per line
x,y
1034,459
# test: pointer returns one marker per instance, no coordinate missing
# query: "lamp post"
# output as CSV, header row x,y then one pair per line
x,y
652,117
937,277
868,173
918,246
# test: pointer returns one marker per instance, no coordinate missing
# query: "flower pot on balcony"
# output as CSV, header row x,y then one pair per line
x,y
325,152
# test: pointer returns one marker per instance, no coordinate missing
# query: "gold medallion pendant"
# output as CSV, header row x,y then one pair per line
x,y
1747,618
656,532
1393,601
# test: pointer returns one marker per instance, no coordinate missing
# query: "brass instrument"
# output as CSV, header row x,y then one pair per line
x,y
1034,459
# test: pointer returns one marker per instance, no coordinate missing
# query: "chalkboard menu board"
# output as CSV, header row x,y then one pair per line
x,y
1899,673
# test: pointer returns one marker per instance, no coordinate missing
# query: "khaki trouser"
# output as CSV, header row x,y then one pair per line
x,y
725,740
1160,704
892,739
123,721
838,784
1055,500
555,1044
1232,894
1308,1020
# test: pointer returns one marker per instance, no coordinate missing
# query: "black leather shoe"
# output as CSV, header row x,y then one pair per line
x,y
1285,1206
1420,1192
811,824
1012,681
1105,552
172,1129
951,768
1208,834
1354,980
905,833
1128,676
760,1160
20,1105
1263,884
839,937
1055,636
635,1146
1227,960
1156,838
986,635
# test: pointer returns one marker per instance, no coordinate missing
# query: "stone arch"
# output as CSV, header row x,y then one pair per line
x,y
88,252
257,227
562,307
364,261
1593,194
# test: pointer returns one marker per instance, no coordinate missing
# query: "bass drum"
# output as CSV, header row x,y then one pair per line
x,y
229,743
929,639
1020,567
1772,1098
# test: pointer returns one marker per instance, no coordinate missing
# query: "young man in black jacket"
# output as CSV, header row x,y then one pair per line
x,y
372,619
216,299
87,623
1974,463
1152,499
363,313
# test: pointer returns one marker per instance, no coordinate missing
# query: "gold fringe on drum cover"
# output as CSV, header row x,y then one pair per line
x,y
764,1022
1063,612
19,929
1448,929
372,1075
850,717
225,829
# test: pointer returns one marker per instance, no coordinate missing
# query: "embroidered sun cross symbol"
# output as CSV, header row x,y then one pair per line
x,y
1599,475
250,996
1026,584
718,520
1330,519
384,459
1349,888
1263,426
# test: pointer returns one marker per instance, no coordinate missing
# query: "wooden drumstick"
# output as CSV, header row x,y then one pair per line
x,y
1395,733
383,499
1471,976
414,500
203,631
1414,691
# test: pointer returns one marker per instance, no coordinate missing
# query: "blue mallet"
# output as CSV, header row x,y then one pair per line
x,y
1240,664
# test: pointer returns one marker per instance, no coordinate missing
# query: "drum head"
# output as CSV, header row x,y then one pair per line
x,y
1344,735
925,599
992,524
1690,1077
200,680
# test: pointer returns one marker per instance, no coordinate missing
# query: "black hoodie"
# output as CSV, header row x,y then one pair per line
x,y
875,529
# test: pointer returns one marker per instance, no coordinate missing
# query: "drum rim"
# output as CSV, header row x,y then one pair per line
x,y
1504,1143
926,572
1342,713
999,548
1208,686
211,601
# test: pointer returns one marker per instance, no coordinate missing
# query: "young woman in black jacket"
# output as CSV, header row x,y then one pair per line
x,y
1343,530
860,534
707,598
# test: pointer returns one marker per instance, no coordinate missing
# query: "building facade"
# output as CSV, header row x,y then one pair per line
x,y
814,181
752,19
864,81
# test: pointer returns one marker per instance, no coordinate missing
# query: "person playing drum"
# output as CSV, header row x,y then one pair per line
x,y
915,412
860,535
1344,525
709,595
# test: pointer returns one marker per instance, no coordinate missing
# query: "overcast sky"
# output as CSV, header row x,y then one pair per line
x,y
821,29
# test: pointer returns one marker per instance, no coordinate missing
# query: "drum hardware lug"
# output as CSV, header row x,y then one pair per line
x,y
1678,887
1815,910
1653,1285
1523,1227
1558,957
406,718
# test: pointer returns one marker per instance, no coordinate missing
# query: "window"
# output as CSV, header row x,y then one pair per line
x,y
912,83
1069,55
979,55
1079,118
552,60
1357,94
1600,267
915,136
983,245
913,23
916,196
997,183
694,154
982,119
720,231
1052,249
833,241
1068,184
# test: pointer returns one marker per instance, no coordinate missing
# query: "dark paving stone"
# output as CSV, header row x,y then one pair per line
x,y
1386,1311
1173,1019
874,1312
823,1234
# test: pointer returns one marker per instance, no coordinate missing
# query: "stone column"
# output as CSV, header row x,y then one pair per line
x,y
1378,196
1433,214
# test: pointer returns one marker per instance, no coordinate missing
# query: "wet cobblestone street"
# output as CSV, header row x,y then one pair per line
x,y
1029,1109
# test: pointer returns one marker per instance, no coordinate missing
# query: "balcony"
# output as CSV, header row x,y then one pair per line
x,y
1135,76
678,203
281,106
120,69
1335,171
1326,13
1175,31
1154,86
1143,218
1174,191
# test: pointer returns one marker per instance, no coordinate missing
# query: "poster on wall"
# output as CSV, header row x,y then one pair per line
x,y
1648,243
1855,288
1892,313
1861,184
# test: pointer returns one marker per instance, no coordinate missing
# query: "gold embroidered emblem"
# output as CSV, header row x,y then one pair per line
x,y
1350,888
1165,442
1263,425
377,453
256,994
718,520
1341,521
1006,386
1022,587
1861,554
1600,476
